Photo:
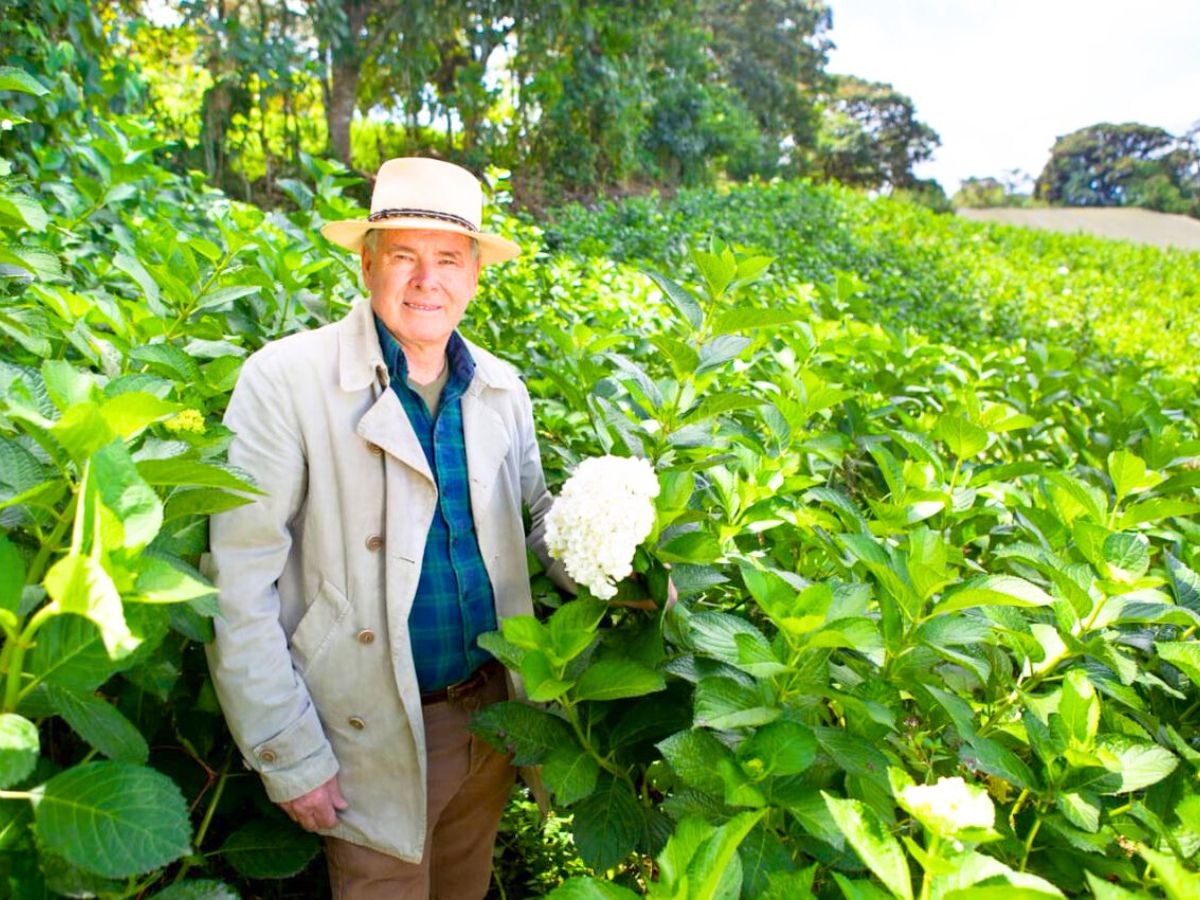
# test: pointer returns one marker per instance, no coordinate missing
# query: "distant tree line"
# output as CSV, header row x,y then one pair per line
x,y
575,98
1106,165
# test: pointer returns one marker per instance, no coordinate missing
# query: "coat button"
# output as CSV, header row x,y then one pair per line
x,y
375,449
267,756
374,542
366,636
357,723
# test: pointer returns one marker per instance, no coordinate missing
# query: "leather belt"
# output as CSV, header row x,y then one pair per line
x,y
469,685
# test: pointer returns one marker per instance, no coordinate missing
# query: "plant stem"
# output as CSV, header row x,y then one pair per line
x,y
1033,830
931,851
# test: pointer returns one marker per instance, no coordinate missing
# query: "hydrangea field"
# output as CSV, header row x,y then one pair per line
x,y
928,493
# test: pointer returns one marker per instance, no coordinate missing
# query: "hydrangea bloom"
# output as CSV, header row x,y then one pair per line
x,y
950,806
604,511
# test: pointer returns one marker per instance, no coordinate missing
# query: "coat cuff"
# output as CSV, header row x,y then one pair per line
x,y
297,760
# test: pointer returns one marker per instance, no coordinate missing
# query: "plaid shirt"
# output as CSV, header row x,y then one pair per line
x,y
454,603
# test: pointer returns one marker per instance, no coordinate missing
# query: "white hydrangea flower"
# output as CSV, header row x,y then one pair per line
x,y
605,509
950,806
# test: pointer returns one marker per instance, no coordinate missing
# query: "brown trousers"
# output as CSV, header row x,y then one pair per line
x,y
469,783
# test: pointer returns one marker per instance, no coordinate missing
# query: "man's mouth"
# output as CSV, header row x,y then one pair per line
x,y
421,307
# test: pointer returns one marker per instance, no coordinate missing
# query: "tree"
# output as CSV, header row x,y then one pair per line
x,y
773,53
1098,165
870,135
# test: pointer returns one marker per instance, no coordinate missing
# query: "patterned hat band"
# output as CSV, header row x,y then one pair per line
x,y
421,214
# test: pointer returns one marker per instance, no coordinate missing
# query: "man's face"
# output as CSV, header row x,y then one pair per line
x,y
420,283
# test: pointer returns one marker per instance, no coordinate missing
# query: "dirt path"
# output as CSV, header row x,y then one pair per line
x,y
1139,225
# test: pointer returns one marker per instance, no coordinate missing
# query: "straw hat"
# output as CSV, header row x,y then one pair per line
x,y
419,194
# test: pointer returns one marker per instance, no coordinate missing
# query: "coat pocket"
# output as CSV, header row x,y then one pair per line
x,y
318,627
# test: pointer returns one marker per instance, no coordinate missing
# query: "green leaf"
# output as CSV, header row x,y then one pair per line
x,y
21,209
111,818
66,384
1129,475
1155,510
526,632
1079,707
746,318
41,263
1185,656
82,430
100,724
201,502
168,360
1185,583
224,297
720,350
873,843
717,854
20,81
683,302
723,703
782,747
159,581
573,627
1079,811
270,848
617,677
12,575
130,413
570,773
1139,764
607,824
70,652
198,890
715,634
541,682
1102,890
696,757
1177,881
992,590
529,733
962,437
588,888
122,490
123,262
696,547
1126,555
718,403
19,746
80,585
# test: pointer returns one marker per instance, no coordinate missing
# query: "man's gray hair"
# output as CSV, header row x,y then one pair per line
x,y
371,242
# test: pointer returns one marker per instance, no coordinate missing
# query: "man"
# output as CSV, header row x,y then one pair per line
x,y
394,457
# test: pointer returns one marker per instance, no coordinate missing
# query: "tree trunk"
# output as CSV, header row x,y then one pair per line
x,y
340,106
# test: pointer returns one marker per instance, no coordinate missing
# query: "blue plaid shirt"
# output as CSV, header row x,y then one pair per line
x,y
454,603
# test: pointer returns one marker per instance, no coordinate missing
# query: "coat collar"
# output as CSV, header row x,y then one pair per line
x,y
361,362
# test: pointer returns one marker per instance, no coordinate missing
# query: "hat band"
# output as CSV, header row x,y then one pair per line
x,y
421,214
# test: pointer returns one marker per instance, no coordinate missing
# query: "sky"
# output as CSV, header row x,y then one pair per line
x,y
999,80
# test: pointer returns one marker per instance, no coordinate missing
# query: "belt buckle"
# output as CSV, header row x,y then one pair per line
x,y
462,694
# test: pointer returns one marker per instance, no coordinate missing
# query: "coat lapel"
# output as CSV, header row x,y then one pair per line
x,y
487,442
386,425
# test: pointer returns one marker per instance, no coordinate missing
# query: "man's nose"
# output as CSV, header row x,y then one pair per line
x,y
422,273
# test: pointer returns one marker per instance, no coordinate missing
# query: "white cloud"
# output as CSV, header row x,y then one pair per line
x,y
999,81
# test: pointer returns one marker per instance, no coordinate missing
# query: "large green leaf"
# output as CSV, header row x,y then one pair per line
x,y
14,79
747,317
873,843
80,585
697,758
590,889
1184,655
616,677
270,848
70,652
100,724
19,746
607,824
1178,882
1139,764
717,854
782,747
124,492
992,590
529,733
723,703
130,413
570,773
114,819
682,300
1129,474
1079,707
962,437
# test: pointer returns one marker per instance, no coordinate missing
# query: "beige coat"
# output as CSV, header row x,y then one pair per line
x,y
312,660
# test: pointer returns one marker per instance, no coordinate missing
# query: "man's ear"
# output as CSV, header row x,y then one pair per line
x,y
365,256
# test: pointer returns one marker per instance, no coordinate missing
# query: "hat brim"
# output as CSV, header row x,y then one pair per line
x,y
350,234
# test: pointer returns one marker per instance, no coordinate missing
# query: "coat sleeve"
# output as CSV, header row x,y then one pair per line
x,y
265,702
536,497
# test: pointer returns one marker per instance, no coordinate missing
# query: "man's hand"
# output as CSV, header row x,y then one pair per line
x,y
318,808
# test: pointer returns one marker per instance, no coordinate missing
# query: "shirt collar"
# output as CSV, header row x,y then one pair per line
x,y
459,359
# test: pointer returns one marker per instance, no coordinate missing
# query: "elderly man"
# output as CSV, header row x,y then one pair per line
x,y
394,457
